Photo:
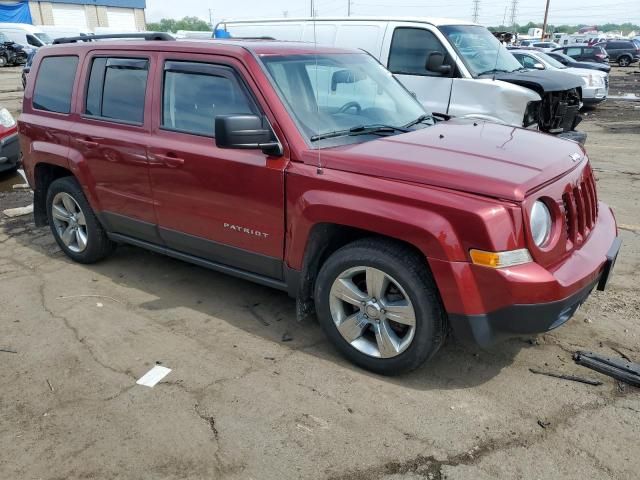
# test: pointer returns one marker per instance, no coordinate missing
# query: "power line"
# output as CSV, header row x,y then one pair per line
x,y
476,10
514,12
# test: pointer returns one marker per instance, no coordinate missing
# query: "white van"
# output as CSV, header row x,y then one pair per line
x,y
452,66
25,34
55,31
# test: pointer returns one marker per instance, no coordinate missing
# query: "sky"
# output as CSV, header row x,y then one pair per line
x,y
491,12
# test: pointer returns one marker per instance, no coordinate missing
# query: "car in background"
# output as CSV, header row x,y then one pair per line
x,y
12,53
27,68
453,67
585,53
596,84
544,46
25,34
567,61
623,52
9,142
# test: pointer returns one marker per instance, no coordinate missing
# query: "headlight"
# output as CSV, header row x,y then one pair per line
x,y
540,222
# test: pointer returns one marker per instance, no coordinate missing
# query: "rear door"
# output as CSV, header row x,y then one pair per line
x,y
111,138
223,205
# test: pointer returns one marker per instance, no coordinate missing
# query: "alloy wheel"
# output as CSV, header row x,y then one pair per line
x,y
372,312
70,222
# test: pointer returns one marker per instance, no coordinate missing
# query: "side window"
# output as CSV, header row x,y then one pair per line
x,y
410,48
573,51
194,94
527,61
117,89
54,84
589,51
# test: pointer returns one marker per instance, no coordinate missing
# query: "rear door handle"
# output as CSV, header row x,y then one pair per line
x,y
170,160
87,143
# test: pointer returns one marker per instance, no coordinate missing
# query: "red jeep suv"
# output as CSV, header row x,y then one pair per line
x,y
312,170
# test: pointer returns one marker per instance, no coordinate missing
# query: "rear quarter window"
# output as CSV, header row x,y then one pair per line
x,y
54,84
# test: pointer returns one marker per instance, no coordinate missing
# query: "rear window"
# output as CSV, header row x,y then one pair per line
x,y
117,88
54,84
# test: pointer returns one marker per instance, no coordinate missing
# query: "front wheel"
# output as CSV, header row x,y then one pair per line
x,y
3,61
378,304
73,223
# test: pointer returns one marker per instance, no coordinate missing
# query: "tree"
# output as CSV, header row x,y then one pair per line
x,y
172,25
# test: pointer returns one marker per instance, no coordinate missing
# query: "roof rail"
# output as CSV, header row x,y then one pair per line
x,y
149,36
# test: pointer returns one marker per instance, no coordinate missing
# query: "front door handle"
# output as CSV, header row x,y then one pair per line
x,y
87,142
170,160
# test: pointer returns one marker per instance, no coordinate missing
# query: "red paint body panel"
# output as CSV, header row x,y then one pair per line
x,y
444,189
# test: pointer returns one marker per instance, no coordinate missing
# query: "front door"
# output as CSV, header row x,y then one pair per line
x,y
405,52
223,205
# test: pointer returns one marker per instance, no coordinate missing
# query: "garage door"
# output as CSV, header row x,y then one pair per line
x,y
121,19
70,16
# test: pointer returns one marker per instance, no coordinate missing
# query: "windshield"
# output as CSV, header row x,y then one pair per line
x,y
480,51
44,38
550,60
330,93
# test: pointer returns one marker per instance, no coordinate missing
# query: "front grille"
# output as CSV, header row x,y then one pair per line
x,y
559,111
580,209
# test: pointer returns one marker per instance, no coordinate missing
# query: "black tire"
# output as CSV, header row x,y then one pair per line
x,y
3,61
624,61
98,245
410,271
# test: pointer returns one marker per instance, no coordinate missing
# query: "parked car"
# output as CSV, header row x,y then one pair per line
x,y
312,170
9,144
25,34
27,68
567,61
11,53
543,46
585,53
453,67
623,52
596,84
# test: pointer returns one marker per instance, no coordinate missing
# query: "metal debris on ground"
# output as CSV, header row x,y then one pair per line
x,y
617,368
286,337
543,424
7,350
21,186
573,378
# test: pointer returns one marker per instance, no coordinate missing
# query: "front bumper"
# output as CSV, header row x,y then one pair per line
x,y
594,95
9,152
515,320
485,305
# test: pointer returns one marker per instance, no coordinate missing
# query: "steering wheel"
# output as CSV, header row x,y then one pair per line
x,y
349,105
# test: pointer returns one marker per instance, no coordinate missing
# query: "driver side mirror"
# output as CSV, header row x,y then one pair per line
x,y
246,132
538,66
435,63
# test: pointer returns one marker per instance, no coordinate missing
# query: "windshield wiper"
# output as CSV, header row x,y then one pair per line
x,y
493,70
418,120
359,130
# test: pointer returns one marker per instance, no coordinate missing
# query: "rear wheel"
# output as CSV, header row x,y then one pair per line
x,y
624,61
73,223
3,61
377,302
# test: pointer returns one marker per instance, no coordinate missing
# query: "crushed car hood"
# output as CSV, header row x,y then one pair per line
x,y
477,157
548,80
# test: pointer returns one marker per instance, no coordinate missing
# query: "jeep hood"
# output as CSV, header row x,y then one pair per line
x,y
547,80
477,157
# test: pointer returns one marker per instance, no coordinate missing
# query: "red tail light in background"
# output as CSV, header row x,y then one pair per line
x,y
8,125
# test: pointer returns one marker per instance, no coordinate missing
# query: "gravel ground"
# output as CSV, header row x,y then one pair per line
x,y
241,403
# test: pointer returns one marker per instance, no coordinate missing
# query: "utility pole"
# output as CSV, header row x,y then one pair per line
x,y
546,16
210,17
348,8
312,9
504,17
476,10
514,12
